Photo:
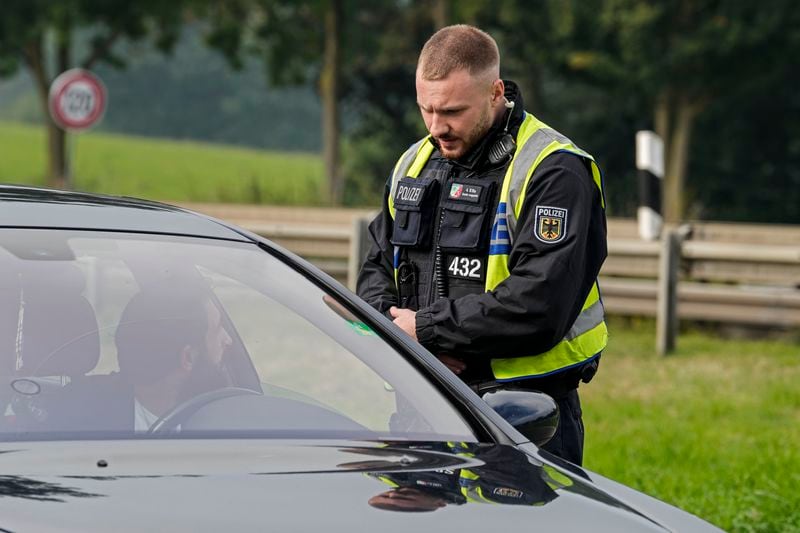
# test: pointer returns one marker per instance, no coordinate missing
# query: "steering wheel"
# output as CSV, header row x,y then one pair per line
x,y
183,411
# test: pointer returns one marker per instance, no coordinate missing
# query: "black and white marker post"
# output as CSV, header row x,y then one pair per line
x,y
650,170
650,167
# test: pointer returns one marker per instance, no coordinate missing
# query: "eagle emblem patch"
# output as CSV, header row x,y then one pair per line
x,y
551,223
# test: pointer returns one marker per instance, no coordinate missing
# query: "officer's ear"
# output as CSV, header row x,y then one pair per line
x,y
498,92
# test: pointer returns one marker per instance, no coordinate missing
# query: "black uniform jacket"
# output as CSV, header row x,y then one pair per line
x,y
529,312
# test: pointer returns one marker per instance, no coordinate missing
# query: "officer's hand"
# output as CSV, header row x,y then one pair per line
x,y
406,319
456,366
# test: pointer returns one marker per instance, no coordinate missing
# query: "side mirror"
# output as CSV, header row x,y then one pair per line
x,y
534,414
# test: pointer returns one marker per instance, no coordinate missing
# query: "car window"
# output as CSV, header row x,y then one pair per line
x,y
110,334
291,352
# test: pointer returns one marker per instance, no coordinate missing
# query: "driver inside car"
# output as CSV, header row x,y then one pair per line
x,y
170,348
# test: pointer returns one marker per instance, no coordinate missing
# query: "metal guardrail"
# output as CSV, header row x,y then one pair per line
x,y
731,273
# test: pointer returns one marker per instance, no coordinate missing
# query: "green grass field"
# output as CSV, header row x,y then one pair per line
x,y
166,170
713,429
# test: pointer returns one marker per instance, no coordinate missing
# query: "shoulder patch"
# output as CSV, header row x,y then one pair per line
x,y
550,223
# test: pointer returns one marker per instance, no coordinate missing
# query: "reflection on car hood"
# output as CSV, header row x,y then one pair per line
x,y
297,486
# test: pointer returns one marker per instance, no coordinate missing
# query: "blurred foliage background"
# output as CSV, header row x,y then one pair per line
x,y
716,78
310,102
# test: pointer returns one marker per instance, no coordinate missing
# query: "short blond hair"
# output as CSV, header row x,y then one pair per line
x,y
458,47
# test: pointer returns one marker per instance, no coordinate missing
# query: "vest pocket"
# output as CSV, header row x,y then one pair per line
x,y
414,203
465,220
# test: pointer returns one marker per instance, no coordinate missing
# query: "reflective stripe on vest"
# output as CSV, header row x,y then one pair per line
x,y
475,495
555,479
588,335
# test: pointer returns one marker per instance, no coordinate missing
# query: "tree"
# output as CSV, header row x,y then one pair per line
x,y
329,88
302,38
750,161
601,69
40,35
334,43
378,89
298,41
361,56
672,57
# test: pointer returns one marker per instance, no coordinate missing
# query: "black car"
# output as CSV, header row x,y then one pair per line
x,y
162,370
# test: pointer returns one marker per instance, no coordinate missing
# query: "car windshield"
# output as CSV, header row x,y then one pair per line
x,y
112,334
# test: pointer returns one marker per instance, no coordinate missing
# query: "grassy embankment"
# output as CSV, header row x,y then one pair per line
x,y
714,429
165,169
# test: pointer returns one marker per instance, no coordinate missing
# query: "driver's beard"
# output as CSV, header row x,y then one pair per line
x,y
205,376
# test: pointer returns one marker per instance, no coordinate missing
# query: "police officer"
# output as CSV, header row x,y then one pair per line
x,y
491,236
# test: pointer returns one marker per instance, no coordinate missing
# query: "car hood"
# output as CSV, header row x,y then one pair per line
x,y
214,485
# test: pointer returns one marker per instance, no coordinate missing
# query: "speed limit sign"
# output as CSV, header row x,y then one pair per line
x,y
77,99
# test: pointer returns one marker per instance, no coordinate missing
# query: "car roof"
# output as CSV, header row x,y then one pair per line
x,y
28,207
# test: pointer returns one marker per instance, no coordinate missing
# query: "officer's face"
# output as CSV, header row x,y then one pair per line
x,y
458,110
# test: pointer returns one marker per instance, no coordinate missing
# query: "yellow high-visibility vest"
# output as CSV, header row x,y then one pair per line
x,y
535,140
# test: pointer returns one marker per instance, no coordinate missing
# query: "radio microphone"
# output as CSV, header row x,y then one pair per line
x,y
503,149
